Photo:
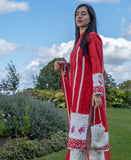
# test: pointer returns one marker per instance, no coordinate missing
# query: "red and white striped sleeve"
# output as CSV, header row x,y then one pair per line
x,y
96,56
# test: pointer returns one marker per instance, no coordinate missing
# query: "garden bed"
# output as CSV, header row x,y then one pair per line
x,y
3,140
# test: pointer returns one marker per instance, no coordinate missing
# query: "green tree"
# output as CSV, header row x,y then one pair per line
x,y
48,78
110,83
12,80
126,85
120,98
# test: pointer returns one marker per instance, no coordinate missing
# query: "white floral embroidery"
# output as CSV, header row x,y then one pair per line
x,y
98,80
98,83
78,126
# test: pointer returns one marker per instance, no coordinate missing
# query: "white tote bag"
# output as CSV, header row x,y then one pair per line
x,y
99,138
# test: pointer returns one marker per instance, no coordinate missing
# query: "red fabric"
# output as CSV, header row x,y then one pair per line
x,y
79,144
107,155
68,155
83,77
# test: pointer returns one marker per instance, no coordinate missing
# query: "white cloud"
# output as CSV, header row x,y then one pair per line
x,y
98,1
116,51
7,6
126,31
117,58
44,55
6,47
119,72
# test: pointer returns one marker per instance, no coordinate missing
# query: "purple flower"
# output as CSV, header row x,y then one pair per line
x,y
5,120
3,115
9,115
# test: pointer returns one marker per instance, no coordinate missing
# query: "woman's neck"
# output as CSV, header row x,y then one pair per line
x,y
82,29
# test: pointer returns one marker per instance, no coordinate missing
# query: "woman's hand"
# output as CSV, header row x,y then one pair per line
x,y
59,64
96,101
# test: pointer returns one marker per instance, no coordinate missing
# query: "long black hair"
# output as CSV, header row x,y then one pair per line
x,y
91,28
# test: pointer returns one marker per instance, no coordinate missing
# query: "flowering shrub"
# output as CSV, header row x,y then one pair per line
x,y
22,148
119,98
24,116
2,123
56,97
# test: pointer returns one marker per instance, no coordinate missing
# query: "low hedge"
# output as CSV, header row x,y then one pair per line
x,y
116,98
57,97
22,148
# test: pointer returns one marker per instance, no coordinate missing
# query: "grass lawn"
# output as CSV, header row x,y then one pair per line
x,y
54,156
119,124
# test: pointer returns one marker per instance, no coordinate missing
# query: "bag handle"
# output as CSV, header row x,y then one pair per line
x,y
99,115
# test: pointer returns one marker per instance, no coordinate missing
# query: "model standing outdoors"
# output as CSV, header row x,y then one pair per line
x,y
83,82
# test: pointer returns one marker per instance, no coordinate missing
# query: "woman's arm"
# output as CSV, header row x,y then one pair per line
x,y
96,100
96,57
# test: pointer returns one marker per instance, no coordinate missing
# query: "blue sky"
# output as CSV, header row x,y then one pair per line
x,y
34,32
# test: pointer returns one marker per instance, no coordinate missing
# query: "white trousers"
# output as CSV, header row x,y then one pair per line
x,y
76,154
96,155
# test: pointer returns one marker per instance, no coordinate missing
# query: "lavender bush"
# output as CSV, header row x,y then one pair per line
x,y
26,116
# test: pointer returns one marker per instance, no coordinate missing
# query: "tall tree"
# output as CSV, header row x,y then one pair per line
x,y
48,78
126,85
12,80
110,83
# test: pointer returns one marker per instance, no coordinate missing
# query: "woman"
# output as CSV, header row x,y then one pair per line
x,y
84,87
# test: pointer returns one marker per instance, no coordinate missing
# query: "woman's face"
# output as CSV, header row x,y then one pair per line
x,y
82,17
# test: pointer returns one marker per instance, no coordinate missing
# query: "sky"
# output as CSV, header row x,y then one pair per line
x,y
33,32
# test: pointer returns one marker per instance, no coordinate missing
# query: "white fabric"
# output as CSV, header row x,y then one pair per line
x,y
78,126
76,154
99,138
75,74
96,155
98,80
81,84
